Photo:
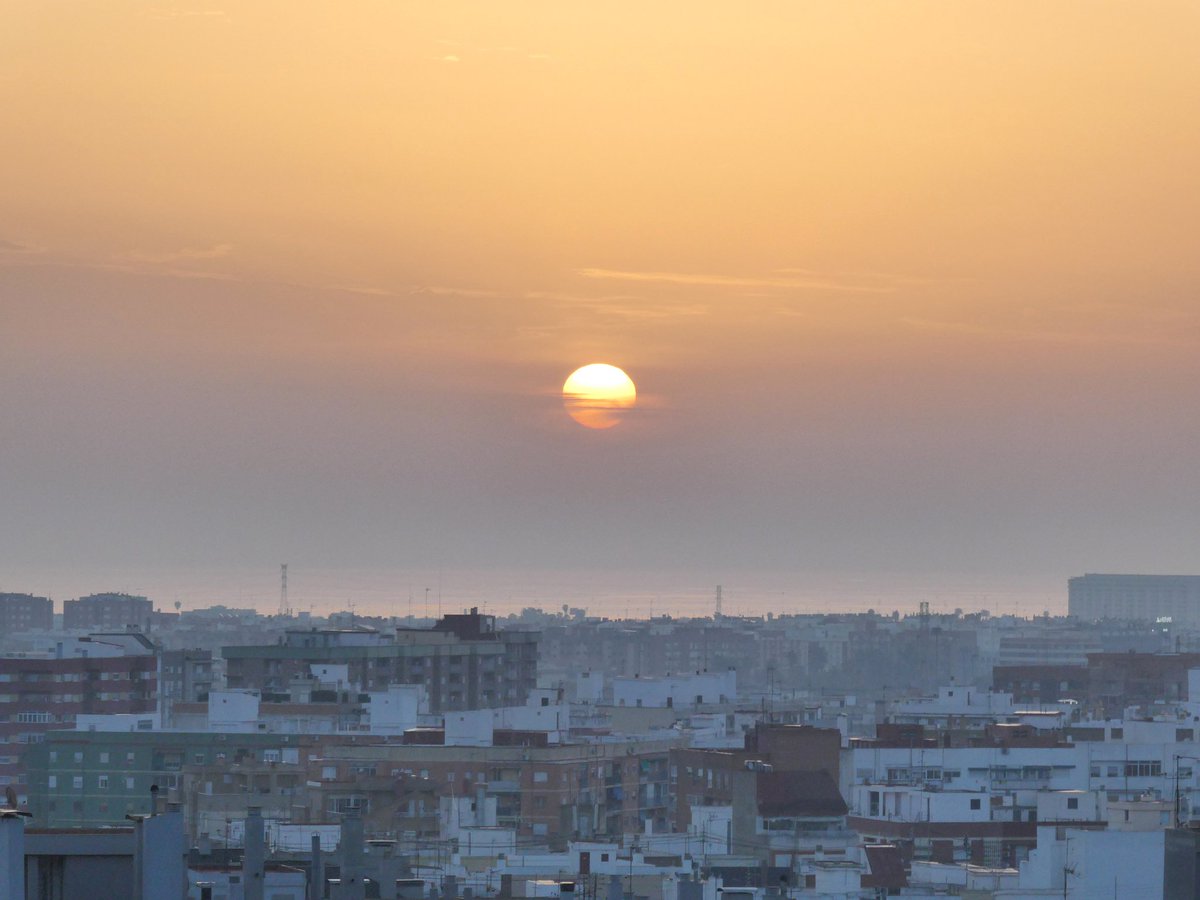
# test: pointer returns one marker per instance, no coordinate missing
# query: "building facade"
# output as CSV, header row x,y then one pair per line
x,y
463,662
107,612
25,612
1146,598
100,674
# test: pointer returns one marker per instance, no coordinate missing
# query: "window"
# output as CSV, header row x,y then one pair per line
x,y
1072,803
52,782
102,782
540,777
77,782
129,784
1146,769
104,757
976,804
78,757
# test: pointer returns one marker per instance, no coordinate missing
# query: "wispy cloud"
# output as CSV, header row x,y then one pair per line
x,y
175,13
19,248
809,281
1139,333
183,254
366,290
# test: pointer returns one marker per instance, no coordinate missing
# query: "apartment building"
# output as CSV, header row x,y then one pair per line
x,y
707,777
107,612
463,661
25,612
1147,598
186,676
99,674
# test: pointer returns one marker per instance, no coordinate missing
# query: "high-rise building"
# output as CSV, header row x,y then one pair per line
x,y
463,661
107,612
1143,597
25,612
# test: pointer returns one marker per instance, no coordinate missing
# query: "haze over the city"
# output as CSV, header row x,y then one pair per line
x,y
908,292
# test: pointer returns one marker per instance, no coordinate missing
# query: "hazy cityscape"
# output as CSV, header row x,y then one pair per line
x,y
541,450
554,753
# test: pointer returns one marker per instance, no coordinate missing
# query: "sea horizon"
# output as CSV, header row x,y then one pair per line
x,y
627,594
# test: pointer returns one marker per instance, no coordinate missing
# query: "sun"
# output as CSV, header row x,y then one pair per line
x,y
596,394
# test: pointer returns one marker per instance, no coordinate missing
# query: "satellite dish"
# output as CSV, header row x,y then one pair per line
x,y
177,605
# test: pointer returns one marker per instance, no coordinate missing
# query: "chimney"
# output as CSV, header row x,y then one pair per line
x,y
316,879
353,887
254,855
12,854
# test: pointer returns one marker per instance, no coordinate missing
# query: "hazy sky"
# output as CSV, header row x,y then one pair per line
x,y
905,287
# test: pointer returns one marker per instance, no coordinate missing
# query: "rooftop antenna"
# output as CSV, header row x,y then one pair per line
x,y
284,609
717,611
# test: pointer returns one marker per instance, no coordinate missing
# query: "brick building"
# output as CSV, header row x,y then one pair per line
x,y
99,674
707,777
1035,685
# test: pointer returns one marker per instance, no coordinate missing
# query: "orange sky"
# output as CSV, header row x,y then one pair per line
x,y
903,285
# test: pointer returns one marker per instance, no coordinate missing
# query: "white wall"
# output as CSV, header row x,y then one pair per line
x,y
118,722
470,728
233,710
396,709
676,690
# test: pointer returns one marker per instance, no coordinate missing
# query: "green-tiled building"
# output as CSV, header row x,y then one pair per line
x,y
92,778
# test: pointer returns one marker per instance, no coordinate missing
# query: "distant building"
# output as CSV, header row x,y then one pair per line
x,y
464,662
25,612
1036,685
107,612
1141,597
676,690
186,677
